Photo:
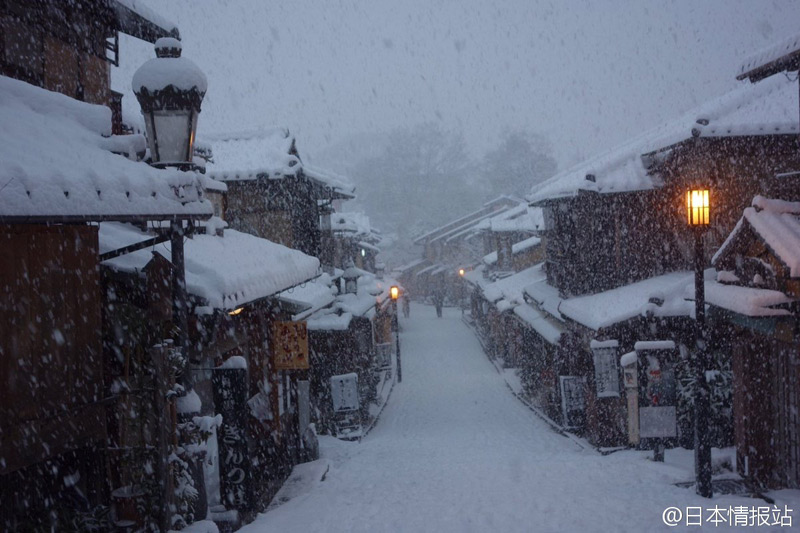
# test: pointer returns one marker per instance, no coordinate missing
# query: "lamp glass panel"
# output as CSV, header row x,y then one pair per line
x,y
174,135
698,207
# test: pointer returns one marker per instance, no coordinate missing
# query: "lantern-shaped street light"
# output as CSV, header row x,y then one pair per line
x,y
351,275
698,216
170,89
461,272
394,292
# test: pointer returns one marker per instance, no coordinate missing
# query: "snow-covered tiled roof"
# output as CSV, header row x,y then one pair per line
x,y
778,223
336,183
511,288
548,328
522,218
312,296
249,154
764,108
467,221
517,247
55,164
607,308
227,272
468,228
748,301
784,55
353,222
371,292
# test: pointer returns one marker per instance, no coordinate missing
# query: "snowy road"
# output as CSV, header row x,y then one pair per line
x,y
454,451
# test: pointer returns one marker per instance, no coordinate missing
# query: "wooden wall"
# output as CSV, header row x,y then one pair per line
x,y
51,365
59,46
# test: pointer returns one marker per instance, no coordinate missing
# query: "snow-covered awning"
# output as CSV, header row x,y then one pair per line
x,y
766,108
512,287
748,301
309,297
604,309
56,165
549,329
227,272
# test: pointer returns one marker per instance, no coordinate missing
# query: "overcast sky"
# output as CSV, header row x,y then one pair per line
x,y
587,74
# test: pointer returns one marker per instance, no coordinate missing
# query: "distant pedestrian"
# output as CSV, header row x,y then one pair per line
x,y
438,301
406,305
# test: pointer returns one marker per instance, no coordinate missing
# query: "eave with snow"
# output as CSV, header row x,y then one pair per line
x,y
780,57
222,272
766,108
134,18
371,295
759,263
73,176
271,154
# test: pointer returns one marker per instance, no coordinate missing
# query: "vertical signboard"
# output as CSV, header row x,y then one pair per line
x,y
290,345
606,369
230,399
573,403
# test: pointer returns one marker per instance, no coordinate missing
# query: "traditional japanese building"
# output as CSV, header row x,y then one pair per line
x,y
754,306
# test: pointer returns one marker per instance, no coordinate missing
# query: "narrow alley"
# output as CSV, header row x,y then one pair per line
x,y
454,450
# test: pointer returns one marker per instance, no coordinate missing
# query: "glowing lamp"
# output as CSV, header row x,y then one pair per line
x,y
461,272
394,291
698,209
170,89
236,311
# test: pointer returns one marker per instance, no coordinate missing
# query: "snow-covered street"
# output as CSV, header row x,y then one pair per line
x,y
455,451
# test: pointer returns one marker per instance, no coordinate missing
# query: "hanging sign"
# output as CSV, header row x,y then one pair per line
x,y
290,345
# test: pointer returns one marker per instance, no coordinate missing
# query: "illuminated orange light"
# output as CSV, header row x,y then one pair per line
x,y
395,292
460,271
236,311
698,209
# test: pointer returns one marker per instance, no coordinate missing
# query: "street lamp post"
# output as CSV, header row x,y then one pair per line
x,y
394,292
170,89
698,217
